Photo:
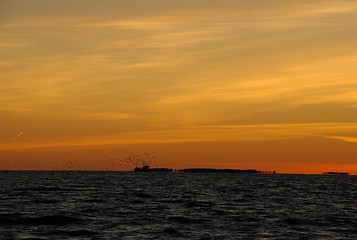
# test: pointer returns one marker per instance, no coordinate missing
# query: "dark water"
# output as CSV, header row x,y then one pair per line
x,y
111,205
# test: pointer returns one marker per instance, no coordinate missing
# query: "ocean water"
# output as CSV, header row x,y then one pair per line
x,y
118,205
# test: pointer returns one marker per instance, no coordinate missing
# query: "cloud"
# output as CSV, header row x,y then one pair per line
x,y
213,133
343,138
182,66
18,135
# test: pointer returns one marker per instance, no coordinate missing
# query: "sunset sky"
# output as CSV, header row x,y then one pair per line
x,y
262,84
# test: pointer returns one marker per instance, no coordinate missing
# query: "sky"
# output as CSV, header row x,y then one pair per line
x,y
261,84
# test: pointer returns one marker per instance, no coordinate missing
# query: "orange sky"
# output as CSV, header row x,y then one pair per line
x,y
270,85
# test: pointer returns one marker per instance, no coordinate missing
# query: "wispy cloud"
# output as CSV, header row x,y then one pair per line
x,y
343,138
212,133
194,65
18,135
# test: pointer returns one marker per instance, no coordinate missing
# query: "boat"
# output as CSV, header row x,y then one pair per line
x,y
148,169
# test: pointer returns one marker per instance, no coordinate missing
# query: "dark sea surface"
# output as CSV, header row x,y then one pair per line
x,y
118,205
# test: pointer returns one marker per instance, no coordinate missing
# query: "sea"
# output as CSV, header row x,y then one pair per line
x,y
178,205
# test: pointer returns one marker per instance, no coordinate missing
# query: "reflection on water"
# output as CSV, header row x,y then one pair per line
x,y
112,205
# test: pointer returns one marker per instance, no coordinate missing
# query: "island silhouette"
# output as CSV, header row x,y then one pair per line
x,y
146,168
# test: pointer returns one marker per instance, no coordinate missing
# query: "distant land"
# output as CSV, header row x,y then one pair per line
x,y
221,170
336,173
148,169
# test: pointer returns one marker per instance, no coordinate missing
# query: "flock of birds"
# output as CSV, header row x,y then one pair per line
x,y
115,162
108,162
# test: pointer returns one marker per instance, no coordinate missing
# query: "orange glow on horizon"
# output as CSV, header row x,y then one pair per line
x,y
282,156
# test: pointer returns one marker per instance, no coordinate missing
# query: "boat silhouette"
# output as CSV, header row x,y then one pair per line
x,y
148,169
